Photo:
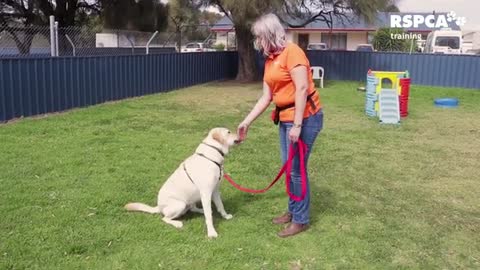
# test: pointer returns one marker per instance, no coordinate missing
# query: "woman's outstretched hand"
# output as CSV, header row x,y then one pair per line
x,y
242,131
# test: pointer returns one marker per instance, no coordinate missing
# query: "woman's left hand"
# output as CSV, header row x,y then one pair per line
x,y
294,134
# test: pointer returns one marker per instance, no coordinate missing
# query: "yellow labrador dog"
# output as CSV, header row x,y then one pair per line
x,y
196,179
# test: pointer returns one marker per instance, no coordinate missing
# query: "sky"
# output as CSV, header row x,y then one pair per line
x,y
470,9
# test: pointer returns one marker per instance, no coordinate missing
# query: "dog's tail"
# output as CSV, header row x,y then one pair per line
x,y
142,208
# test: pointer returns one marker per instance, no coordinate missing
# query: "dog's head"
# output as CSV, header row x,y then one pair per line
x,y
224,137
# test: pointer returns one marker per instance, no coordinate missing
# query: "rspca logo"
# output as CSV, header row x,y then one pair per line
x,y
433,21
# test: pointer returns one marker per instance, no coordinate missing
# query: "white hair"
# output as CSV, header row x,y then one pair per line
x,y
270,33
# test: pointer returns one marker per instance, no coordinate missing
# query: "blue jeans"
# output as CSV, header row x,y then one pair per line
x,y
311,127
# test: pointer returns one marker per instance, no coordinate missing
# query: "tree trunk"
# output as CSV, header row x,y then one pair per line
x,y
179,39
65,15
247,68
25,41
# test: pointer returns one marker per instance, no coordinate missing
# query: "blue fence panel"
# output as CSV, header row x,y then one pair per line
x,y
425,69
10,52
32,86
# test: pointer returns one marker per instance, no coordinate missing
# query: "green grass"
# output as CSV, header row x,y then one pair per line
x,y
383,197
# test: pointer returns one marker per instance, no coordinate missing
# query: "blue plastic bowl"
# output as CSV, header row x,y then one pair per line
x,y
446,102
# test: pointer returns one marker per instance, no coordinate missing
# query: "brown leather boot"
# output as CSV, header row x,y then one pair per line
x,y
293,229
283,219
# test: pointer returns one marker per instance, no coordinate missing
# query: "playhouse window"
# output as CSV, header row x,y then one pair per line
x,y
387,83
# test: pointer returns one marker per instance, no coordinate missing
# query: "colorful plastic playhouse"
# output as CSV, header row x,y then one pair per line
x,y
387,95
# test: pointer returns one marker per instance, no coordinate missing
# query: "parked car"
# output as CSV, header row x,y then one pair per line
x,y
444,42
197,47
469,52
317,46
365,48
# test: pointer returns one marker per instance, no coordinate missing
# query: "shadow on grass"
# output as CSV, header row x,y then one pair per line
x,y
322,200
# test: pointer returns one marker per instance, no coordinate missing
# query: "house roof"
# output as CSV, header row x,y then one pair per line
x,y
224,24
350,23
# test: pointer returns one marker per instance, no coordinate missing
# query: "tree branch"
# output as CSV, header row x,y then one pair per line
x,y
320,16
220,6
13,15
15,5
13,34
93,7
176,21
46,7
30,6
23,5
301,12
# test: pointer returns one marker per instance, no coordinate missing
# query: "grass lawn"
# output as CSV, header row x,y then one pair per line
x,y
383,197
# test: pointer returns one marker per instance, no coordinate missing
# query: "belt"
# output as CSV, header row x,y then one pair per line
x,y
277,110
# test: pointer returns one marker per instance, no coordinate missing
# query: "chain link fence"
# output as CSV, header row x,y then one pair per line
x,y
35,41
28,41
77,41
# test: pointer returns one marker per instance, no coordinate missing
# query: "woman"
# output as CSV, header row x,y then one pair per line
x,y
288,83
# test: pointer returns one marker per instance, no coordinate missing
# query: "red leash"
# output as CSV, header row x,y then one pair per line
x,y
287,168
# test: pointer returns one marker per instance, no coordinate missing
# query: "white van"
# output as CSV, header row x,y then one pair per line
x,y
467,47
444,41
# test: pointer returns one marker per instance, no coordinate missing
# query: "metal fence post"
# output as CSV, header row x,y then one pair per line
x,y
150,40
131,43
52,36
71,43
56,38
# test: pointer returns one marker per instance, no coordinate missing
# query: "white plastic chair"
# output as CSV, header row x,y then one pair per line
x,y
318,74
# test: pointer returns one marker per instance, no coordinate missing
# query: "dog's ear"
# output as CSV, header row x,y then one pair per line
x,y
217,136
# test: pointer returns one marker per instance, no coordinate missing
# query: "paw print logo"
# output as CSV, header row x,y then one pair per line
x,y
461,21
451,16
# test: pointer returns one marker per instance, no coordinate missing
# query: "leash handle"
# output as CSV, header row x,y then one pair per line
x,y
302,149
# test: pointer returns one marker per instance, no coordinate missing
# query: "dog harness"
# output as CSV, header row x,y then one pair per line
x,y
202,155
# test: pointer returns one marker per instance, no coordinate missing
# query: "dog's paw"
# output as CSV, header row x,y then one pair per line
x,y
212,234
177,224
227,216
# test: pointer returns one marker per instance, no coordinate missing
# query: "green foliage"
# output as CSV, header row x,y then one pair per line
x,y
143,15
197,27
219,47
37,12
189,22
181,13
391,40
94,24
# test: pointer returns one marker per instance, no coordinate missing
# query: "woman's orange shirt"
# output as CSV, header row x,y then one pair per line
x,y
278,78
